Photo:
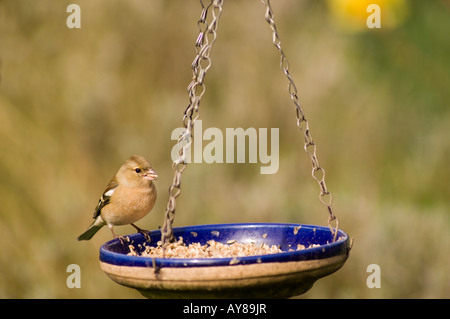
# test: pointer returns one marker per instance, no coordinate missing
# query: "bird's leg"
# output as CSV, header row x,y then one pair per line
x,y
144,232
121,238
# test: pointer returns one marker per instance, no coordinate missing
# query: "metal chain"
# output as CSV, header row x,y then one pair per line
x,y
318,173
196,89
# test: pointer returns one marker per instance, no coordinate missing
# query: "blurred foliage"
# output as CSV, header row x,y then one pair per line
x,y
74,103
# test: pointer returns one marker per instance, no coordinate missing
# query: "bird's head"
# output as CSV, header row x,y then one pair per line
x,y
136,170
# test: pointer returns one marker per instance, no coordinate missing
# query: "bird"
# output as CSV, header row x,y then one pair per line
x,y
129,196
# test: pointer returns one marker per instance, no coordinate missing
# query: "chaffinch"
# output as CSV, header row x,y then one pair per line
x,y
129,196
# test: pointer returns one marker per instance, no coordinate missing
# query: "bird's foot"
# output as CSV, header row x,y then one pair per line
x,y
144,232
122,239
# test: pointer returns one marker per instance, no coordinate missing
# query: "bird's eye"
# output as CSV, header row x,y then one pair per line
x,y
137,170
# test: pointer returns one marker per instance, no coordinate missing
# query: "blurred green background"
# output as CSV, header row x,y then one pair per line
x,y
75,103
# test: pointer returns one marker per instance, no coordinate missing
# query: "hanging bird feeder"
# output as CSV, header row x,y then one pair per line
x,y
303,253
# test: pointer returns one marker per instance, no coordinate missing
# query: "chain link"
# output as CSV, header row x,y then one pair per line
x,y
318,173
196,89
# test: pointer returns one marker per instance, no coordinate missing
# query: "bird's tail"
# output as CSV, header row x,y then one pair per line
x,y
88,234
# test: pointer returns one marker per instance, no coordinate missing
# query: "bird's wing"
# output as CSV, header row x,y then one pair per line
x,y
106,197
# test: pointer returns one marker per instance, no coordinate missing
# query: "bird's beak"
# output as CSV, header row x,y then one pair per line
x,y
150,175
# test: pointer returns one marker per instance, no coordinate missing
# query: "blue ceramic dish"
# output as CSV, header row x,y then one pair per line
x,y
285,236
281,275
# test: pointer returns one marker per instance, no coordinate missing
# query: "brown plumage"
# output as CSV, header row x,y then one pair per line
x,y
128,197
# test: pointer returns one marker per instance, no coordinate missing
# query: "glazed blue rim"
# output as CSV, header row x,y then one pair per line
x,y
286,236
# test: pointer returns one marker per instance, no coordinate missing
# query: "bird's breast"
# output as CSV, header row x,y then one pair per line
x,y
128,205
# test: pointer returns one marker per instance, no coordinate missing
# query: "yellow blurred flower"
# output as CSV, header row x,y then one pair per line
x,y
351,15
